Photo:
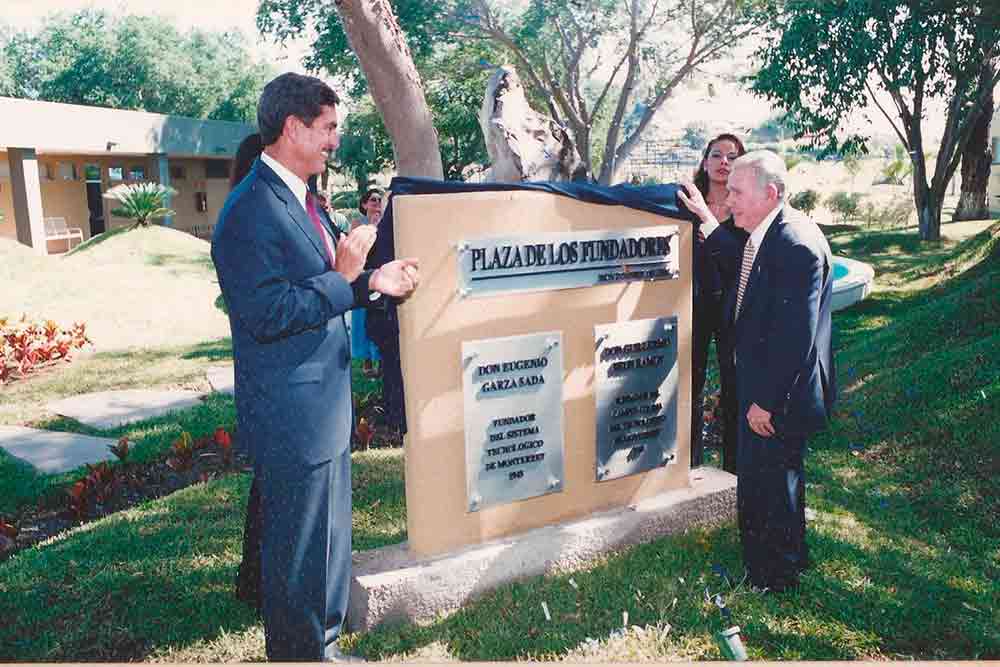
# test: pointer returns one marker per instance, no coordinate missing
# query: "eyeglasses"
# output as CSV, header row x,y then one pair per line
x,y
718,155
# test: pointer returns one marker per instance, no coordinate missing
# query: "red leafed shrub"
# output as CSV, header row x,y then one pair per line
x,y
97,488
8,530
183,452
122,449
26,345
224,442
78,494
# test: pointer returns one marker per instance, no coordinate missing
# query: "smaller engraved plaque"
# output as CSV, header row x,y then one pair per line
x,y
513,418
636,392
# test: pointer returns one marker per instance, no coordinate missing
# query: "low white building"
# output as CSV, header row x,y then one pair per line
x,y
57,160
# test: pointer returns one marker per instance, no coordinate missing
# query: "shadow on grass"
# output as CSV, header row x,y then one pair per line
x,y
176,260
216,350
133,584
379,500
97,240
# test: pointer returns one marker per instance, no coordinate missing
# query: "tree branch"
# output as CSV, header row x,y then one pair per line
x,y
895,127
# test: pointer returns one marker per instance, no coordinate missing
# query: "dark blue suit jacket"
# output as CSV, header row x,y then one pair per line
x,y
286,310
782,339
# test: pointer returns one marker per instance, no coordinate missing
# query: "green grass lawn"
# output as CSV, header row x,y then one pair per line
x,y
148,297
905,542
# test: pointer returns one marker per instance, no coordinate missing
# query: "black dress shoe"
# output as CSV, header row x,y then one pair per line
x,y
246,591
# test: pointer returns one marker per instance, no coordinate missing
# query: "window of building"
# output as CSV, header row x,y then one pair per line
x,y
67,171
137,173
216,168
4,170
45,171
116,173
177,172
996,150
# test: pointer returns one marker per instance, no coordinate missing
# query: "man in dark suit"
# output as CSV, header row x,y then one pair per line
x,y
288,278
779,326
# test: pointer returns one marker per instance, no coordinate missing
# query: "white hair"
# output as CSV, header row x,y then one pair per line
x,y
767,166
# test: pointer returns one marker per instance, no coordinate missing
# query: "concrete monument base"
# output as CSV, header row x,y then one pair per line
x,y
391,585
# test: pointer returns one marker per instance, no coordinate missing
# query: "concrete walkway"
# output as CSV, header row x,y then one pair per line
x,y
222,378
51,451
54,452
111,409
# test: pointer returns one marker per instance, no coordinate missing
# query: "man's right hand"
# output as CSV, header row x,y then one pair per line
x,y
352,251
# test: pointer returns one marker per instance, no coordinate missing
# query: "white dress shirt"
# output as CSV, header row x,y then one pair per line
x,y
294,183
298,188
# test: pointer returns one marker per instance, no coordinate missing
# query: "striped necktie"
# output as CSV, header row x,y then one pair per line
x,y
748,257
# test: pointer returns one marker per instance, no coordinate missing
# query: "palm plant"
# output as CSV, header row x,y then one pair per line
x,y
141,202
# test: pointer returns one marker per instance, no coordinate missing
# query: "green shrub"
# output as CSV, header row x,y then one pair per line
x,y
844,203
141,202
895,171
896,213
806,201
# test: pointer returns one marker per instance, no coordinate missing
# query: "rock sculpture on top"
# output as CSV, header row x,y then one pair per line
x,y
523,144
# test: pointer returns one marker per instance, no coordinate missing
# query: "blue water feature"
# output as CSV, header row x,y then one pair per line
x,y
839,270
852,281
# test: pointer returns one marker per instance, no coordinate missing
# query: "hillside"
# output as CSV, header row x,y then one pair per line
x,y
133,288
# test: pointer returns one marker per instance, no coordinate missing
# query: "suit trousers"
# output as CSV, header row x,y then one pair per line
x,y
392,383
707,324
306,557
770,503
248,586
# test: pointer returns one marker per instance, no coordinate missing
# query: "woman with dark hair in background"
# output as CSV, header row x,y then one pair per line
x,y
362,346
248,151
248,573
706,198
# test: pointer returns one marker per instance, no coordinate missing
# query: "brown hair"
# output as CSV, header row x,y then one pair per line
x,y
291,94
248,151
366,196
701,176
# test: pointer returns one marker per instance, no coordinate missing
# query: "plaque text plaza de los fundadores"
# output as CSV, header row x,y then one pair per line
x,y
561,260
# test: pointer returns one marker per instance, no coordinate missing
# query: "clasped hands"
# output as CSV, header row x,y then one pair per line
x,y
397,278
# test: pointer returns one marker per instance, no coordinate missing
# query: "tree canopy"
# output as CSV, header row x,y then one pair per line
x,y
834,58
602,68
454,87
133,62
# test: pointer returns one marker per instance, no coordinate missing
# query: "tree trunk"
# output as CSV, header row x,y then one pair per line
x,y
377,40
972,204
928,210
927,199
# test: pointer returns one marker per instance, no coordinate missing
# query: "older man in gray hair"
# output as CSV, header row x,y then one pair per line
x,y
778,316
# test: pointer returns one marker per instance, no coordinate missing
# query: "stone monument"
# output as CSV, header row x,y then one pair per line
x,y
546,359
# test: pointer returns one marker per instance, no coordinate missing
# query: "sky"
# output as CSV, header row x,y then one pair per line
x,y
215,15
689,104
